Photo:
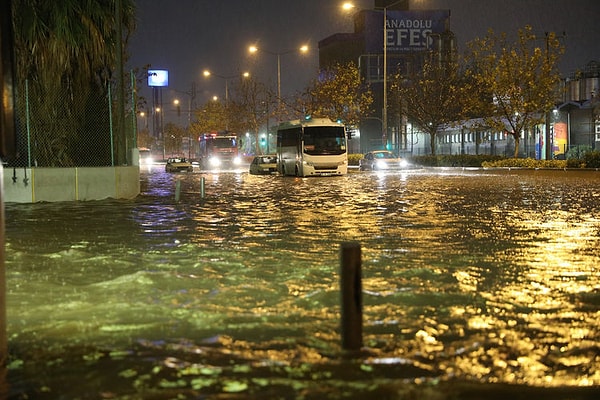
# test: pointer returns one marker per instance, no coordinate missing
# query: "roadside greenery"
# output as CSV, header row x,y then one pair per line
x,y
589,159
430,97
464,160
501,85
174,136
513,83
67,53
525,163
353,159
339,93
252,106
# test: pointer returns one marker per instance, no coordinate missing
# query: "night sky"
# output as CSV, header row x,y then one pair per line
x,y
187,36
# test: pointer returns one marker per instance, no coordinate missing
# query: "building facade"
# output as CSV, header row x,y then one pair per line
x,y
410,36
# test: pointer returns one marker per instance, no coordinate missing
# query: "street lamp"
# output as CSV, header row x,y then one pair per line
x,y
177,107
301,49
347,6
207,74
191,101
143,116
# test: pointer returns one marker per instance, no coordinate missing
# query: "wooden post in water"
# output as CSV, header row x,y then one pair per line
x,y
351,288
177,190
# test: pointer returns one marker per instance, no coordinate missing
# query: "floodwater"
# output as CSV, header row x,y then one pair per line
x,y
474,284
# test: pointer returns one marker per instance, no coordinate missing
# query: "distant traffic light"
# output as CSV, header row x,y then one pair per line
x,y
349,132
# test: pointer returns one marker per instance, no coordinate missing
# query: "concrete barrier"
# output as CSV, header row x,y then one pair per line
x,y
31,185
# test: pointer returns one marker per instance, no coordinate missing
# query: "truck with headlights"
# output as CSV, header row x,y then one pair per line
x,y
218,150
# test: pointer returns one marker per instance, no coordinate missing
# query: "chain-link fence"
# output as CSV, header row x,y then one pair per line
x,y
71,127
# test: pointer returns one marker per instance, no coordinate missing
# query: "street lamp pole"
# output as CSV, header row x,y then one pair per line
x,y
207,73
384,110
254,49
279,78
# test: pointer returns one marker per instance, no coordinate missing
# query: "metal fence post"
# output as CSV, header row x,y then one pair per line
x,y
110,124
28,122
133,110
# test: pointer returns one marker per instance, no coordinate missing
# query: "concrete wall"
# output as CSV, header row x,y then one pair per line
x,y
30,185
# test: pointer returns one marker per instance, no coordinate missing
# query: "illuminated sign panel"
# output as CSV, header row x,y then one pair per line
x,y
158,77
560,138
407,31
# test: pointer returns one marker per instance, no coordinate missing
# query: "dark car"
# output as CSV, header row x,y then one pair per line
x,y
263,165
178,165
381,160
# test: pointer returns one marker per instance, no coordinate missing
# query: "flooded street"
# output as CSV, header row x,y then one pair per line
x,y
469,277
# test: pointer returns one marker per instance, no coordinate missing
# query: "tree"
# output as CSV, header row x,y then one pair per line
x,y
145,139
210,117
431,97
66,52
173,136
253,106
338,93
513,83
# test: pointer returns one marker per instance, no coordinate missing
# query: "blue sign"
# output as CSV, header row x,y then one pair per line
x,y
406,31
158,77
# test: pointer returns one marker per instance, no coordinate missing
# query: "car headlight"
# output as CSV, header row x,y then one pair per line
x,y
380,164
237,160
214,161
403,163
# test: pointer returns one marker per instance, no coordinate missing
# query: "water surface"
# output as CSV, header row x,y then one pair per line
x,y
468,277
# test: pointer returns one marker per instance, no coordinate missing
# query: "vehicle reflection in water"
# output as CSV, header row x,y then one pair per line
x,y
475,277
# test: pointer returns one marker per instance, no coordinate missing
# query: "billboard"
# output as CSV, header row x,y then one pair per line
x,y
158,77
560,139
406,31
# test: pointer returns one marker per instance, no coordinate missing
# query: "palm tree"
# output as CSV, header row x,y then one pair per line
x,y
66,52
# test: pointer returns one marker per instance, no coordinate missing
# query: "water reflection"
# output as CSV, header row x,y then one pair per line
x,y
469,276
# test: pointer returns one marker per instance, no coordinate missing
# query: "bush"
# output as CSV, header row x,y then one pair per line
x,y
575,163
525,163
463,160
589,159
578,152
592,159
353,159
583,157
